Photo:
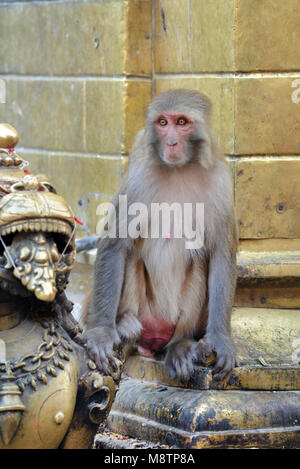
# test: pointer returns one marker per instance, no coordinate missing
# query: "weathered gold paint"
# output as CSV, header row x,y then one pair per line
x,y
273,211
38,98
172,37
212,35
281,267
138,38
267,120
268,296
137,97
269,39
187,419
271,244
262,337
244,412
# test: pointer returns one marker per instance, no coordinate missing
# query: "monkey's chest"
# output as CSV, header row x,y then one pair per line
x,y
165,263
164,274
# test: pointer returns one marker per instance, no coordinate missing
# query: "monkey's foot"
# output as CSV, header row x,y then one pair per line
x,y
222,351
181,357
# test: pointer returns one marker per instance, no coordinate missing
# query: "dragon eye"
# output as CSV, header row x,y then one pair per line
x,y
181,121
163,122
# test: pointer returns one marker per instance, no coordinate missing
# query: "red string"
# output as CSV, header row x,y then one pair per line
x,y
26,171
78,221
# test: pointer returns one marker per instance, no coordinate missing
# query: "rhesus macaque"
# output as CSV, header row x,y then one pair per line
x,y
155,291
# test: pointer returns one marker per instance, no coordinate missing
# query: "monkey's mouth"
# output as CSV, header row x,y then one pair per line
x,y
175,159
175,155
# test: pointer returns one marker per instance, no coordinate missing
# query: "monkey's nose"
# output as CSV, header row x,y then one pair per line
x,y
172,144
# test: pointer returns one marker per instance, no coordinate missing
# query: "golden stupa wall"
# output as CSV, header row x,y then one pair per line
x,y
79,75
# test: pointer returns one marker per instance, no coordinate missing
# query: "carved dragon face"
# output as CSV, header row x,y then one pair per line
x,y
37,235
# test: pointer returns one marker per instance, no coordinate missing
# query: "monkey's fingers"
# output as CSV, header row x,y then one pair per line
x,y
112,361
171,371
181,359
184,366
223,367
98,355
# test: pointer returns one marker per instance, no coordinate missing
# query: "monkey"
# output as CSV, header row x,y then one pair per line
x,y
155,292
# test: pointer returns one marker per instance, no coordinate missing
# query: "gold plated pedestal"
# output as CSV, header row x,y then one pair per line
x,y
258,407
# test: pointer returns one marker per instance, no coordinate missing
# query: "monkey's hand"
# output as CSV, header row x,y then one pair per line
x,y
100,342
181,357
224,349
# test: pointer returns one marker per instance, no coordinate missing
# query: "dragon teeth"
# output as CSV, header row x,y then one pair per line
x,y
50,226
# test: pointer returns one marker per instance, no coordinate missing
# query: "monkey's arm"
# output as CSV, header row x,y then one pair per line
x,y
221,288
102,335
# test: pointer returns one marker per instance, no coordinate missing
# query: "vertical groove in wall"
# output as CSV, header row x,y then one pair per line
x,y
126,12
235,79
84,143
124,111
154,6
126,52
191,34
48,51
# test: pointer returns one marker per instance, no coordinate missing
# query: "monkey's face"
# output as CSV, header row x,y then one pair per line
x,y
174,131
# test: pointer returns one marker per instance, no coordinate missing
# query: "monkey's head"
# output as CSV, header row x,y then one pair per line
x,y
178,129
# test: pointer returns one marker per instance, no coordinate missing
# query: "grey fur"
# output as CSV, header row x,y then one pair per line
x,y
197,295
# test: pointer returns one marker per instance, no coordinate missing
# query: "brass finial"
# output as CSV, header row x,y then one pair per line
x,y
8,136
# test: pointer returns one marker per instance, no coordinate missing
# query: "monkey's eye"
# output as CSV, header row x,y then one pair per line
x,y
163,122
181,121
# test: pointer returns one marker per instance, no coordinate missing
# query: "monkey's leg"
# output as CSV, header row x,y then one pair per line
x,y
133,295
183,351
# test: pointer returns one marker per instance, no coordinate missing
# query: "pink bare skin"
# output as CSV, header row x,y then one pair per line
x,y
174,131
155,334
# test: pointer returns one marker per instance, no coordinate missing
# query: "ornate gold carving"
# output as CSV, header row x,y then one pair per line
x,y
30,204
37,252
99,391
36,367
11,406
33,258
